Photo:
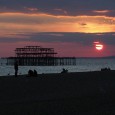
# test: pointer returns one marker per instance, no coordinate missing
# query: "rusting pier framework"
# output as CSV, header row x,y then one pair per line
x,y
38,56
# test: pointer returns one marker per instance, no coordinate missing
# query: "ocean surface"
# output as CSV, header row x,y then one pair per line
x,y
82,65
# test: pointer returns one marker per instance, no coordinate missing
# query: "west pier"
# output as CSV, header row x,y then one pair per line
x,y
39,56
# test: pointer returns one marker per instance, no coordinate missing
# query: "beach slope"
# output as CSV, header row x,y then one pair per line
x,y
68,93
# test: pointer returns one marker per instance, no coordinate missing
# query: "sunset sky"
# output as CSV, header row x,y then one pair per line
x,y
71,27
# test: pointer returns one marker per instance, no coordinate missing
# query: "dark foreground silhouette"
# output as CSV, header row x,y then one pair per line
x,y
82,93
32,73
16,68
64,70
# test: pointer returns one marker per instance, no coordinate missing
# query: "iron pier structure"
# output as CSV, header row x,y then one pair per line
x,y
38,56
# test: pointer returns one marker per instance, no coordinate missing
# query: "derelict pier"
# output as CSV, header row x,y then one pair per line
x,y
38,56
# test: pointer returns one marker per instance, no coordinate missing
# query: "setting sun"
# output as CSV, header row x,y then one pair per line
x,y
99,46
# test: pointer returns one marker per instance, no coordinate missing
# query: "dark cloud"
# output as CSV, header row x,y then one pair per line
x,y
81,38
70,7
83,24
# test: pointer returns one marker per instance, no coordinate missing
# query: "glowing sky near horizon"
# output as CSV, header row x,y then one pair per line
x,y
70,27
15,23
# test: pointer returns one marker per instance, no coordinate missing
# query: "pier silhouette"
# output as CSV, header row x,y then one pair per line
x,y
38,56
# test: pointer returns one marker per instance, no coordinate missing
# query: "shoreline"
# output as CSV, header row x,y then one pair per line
x,y
96,71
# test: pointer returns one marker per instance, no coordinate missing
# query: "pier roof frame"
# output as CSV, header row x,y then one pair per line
x,y
34,51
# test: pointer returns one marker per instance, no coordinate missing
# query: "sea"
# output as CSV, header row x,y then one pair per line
x,y
82,65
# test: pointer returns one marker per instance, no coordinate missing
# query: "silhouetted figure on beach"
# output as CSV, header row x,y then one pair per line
x,y
35,73
16,68
30,73
105,69
64,71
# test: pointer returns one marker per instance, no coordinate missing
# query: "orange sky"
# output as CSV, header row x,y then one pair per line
x,y
17,25
14,23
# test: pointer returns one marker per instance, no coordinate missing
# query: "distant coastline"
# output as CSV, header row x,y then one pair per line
x,y
96,57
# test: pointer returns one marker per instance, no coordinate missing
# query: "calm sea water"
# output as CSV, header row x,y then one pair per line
x,y
82,65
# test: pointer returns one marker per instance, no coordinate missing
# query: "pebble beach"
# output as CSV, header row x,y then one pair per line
x,y
77,93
